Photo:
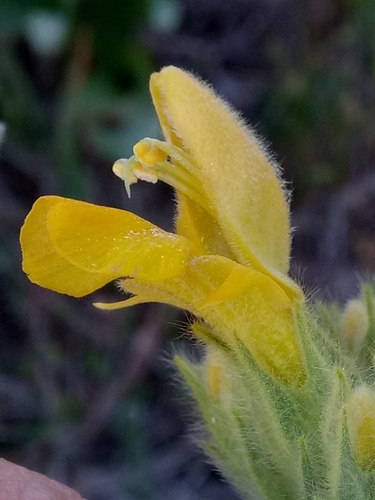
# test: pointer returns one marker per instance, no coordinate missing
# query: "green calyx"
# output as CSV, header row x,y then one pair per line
x,y
278,441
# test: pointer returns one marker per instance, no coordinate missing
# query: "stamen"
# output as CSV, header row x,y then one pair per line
x,y
155,160
148,152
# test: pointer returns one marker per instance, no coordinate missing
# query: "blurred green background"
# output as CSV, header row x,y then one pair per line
x,y
86,396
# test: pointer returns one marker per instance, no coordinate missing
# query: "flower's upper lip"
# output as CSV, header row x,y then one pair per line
x,y
245,188
240,179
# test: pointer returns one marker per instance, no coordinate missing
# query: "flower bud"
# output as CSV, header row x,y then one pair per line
x,y
216,375
355,324
361,417
214,378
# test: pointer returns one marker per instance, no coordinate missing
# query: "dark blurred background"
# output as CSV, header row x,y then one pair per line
x,y
86,396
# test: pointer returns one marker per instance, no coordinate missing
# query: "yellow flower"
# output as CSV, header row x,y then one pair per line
x,y
227,262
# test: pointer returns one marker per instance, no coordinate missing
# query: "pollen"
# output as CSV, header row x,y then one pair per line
x,y
148,153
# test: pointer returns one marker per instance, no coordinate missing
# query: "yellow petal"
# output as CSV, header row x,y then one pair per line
x,y
43,264
130,302
105,239
75,248
173,291
239,281
176,292
244,185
